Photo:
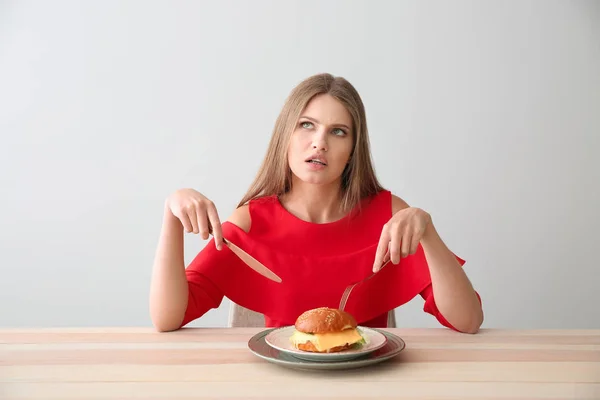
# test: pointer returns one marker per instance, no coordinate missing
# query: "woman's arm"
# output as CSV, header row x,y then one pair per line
x,y
185,209
169,286
178,296
454,295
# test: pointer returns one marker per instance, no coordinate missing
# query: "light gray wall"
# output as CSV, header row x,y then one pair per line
x,y
486,114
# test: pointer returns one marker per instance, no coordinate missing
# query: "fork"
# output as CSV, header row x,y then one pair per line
x,y
346,293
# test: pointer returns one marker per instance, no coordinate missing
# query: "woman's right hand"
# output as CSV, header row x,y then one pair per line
x,y
197,214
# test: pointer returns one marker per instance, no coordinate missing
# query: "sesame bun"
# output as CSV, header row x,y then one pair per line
x,y
324,320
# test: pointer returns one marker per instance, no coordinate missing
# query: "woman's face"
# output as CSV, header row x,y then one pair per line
x,y
322,141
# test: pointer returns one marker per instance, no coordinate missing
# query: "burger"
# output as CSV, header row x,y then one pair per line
x,y
326,330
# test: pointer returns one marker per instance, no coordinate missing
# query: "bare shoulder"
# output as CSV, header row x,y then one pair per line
x,y
398,204
241,218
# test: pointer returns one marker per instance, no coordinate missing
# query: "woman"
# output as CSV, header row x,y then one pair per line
x,y
318,217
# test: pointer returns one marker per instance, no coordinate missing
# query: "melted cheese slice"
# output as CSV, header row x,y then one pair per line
x,y
326,341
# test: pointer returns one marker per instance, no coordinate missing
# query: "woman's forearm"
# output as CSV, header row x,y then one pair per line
x,y
169,286
454,295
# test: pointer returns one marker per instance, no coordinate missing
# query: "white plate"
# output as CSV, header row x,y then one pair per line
x,y
260,348
280,339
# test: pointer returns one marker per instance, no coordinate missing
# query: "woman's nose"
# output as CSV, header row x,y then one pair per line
x,y
319,142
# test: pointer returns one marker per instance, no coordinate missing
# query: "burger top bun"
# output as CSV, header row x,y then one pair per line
x,y
324,320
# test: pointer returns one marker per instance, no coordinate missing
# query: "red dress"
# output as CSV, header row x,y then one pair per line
x,y
315,262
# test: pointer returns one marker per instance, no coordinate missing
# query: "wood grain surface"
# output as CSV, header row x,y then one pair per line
x,y
215,363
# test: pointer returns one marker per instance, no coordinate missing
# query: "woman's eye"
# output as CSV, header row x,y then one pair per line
x,y
306,125
339,132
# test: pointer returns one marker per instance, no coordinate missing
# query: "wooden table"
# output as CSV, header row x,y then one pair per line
x,y
123,363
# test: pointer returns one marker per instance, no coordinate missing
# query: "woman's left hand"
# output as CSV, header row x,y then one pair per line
x,y
401,235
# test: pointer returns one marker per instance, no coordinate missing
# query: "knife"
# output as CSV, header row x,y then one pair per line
x,y
252,262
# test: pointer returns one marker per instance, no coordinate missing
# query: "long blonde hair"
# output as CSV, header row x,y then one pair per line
x,y
358,178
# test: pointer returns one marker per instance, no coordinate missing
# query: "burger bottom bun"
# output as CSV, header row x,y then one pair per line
x,y
308,346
